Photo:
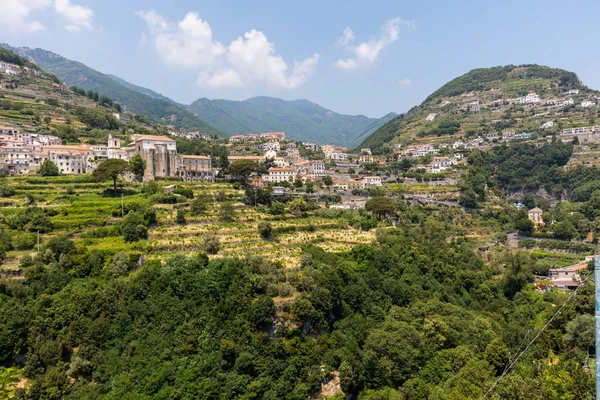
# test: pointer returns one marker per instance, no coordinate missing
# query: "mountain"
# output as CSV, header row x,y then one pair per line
x,y
155,107
486,101
35,101
143,90
300,119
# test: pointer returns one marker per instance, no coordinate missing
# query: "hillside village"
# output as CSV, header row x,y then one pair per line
x,y
483,198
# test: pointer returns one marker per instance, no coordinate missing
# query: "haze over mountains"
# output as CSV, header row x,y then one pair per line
x,y
300,119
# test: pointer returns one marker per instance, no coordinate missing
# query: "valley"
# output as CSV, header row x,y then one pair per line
x,y
447,257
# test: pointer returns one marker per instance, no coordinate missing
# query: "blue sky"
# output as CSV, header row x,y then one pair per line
x,y
353,57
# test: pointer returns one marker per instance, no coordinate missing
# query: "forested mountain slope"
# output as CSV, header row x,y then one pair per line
x,y
300,119
156,109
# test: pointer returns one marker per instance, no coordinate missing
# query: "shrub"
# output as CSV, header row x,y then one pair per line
x,y
26,261
212,244
265,230
48,168
6,191
277,208
133,227
151,187
226,212
180,218
24,241
185,192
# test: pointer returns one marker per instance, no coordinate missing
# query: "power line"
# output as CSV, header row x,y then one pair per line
x,y
534,339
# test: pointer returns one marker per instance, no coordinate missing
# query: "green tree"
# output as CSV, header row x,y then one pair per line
x,y
564,230
180,218
2,253
580,332
111,168
523,223
309,187
226,212
327,181
381,206
137,165
278,208
212,244
241,169
200,204
134,227
48,168
265,230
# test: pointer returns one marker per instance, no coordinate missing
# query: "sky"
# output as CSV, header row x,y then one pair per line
x,y
353,57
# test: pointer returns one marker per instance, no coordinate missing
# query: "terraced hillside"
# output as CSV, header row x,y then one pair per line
x,y
36,103
155,108
488,101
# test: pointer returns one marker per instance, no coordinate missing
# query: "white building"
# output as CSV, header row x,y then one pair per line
x,y
530,98
430,117
587,103
372,180
280,175
572,92
312,168
548,124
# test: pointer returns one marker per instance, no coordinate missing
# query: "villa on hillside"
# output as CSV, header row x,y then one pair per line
x,y
535,216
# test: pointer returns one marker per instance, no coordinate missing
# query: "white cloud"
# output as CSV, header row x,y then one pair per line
x,y
365,54
35,26
190,43
78,17
223,77
347,37
17,15
405,81
248,60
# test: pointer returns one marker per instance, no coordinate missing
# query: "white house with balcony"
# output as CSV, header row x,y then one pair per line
x,y
530,98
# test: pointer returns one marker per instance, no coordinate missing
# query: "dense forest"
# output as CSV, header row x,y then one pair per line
x,y
412,316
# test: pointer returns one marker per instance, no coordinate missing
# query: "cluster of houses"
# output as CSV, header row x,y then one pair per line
x,y
257,136
9,69
22,153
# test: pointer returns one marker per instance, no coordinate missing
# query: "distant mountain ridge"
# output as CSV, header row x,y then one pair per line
x,y
300,119
485,101
156,108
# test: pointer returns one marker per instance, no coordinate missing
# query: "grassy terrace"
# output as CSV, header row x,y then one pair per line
x,y
79,206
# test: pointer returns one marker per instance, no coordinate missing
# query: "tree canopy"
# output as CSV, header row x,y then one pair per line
x,y
48,168
111,169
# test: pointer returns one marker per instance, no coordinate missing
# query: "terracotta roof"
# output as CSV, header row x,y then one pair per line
x,y
536,210
575,267
282,169
246,158
137,138
196,157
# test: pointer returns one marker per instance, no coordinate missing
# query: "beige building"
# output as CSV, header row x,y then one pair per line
x,y
535,216
159,152
15,159
195,168
280,175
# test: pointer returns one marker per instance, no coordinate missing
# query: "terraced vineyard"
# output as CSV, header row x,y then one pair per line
x,y
80,208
